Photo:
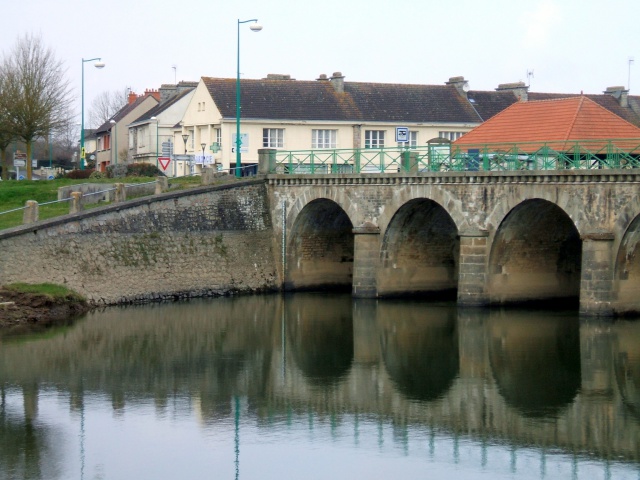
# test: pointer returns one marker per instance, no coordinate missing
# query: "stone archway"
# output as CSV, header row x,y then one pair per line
x,y
627,269
419,251
535,255
320,248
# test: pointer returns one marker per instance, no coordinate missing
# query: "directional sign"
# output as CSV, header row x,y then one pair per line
x,y
164,162
19,163
402,134
167,148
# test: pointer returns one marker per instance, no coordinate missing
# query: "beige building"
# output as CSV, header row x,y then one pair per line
x,y
154,130
329,113
113,135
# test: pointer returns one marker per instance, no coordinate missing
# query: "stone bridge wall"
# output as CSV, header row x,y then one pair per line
x,y
585,218
206,241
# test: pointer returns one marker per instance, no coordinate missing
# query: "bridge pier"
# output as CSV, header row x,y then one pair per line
x,y
472,270
366,260
596,278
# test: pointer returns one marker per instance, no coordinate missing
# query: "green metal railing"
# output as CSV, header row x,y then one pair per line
x,y
555,155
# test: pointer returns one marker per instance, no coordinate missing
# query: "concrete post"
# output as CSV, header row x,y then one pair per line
x,y
208,176
472,268
596,275
366,258
409,163
31,213
162,185
75,204
120,193
266,161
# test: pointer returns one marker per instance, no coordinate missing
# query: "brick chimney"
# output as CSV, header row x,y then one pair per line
x,y
519,89
461,85
620,94
132,97
152,93
337,80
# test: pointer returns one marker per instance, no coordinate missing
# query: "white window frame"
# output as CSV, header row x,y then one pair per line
x,y
450,135
273,137
324,138
374,138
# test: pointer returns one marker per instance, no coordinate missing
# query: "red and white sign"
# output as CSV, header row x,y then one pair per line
x,y
164,162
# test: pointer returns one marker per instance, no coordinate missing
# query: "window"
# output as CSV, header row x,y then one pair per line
x,y
324,138
273,137
453,136
413,141
132,137
374,139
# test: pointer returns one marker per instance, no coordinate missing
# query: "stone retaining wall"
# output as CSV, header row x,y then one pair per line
x,y
206,241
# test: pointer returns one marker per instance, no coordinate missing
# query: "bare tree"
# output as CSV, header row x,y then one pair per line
x,y
36,93
105,106
6,136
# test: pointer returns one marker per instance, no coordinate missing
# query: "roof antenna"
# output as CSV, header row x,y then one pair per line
x,y
175,78
629,77
529,77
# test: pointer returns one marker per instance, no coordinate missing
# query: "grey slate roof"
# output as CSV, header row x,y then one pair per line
x,y
120,114
287,99
319,100
161,107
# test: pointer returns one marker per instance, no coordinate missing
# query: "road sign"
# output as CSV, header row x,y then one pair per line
x,y
167,148
402,134
19,163
164,162
244,143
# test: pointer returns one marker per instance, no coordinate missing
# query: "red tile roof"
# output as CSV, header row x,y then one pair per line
x,y
565,119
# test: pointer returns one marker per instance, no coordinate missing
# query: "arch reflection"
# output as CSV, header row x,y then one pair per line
x,y
320,335
535,361
419,348
626,364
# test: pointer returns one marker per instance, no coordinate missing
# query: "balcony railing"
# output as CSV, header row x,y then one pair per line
x,y
445,157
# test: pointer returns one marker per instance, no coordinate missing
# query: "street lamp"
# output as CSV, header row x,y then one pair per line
x,y
98,64
185,137
157,153
254,28
114,133
203,145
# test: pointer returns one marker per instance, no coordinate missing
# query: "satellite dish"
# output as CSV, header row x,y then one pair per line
x,y
465,87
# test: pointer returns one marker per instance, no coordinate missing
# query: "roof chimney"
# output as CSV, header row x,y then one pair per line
x,y
337,80
461,85
323,78
620,94
167,90
519,89
278,76
132,97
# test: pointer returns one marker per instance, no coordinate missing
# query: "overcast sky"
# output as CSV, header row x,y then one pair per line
x,y
570,45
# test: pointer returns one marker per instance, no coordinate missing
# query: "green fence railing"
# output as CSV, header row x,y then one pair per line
x,y
440,157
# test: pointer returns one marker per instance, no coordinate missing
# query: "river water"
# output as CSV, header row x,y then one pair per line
x,y
321,386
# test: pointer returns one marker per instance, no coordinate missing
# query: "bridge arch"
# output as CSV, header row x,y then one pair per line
x,y
419,251
536,254
627,267
320,248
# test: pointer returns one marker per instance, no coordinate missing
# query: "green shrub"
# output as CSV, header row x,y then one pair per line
x,y
143,170
97,174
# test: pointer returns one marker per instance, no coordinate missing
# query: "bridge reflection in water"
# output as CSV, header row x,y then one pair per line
x,y
500,390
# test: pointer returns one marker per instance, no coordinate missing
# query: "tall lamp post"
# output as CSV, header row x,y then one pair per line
x,y
185,137
155,119
98,64
114,132
254,28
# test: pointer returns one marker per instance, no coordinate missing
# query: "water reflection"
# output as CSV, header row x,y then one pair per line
x,y
535,360
321,338
626,362
419,348
522,380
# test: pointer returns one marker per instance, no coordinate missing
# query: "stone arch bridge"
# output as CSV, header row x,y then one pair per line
x,y
483,237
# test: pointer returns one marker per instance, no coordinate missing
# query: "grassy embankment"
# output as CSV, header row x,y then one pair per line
x,y
14,194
